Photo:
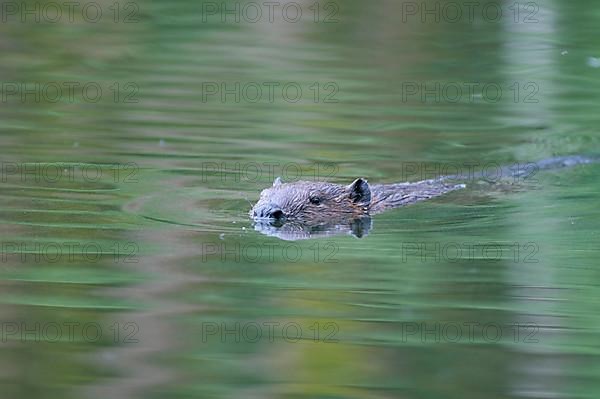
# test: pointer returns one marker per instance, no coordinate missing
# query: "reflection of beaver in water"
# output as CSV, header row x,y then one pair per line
x,y
313,203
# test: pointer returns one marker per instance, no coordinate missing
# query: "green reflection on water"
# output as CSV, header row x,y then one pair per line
x,y
152,219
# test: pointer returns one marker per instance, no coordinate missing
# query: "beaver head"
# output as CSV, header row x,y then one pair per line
x,y
310,202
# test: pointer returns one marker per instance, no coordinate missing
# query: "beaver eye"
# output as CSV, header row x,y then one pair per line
x,y
315,200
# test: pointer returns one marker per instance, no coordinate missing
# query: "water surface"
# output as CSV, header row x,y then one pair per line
x,y
128,215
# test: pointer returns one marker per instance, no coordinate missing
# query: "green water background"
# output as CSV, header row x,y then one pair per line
x,y
163,258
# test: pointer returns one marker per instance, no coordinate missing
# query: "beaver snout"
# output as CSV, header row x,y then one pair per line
x,y
270,211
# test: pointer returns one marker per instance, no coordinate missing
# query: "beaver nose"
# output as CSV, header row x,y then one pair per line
x,y
269,211
277,214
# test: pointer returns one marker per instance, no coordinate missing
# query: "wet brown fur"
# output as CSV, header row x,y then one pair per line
x,y
313,201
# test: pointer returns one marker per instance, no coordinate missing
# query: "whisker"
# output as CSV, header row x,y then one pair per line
x,y
246,198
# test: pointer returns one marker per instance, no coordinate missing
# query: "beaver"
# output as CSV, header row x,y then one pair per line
x,y
309,202
305,203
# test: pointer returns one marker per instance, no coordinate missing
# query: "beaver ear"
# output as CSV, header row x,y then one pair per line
x,y
277,182
360,192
